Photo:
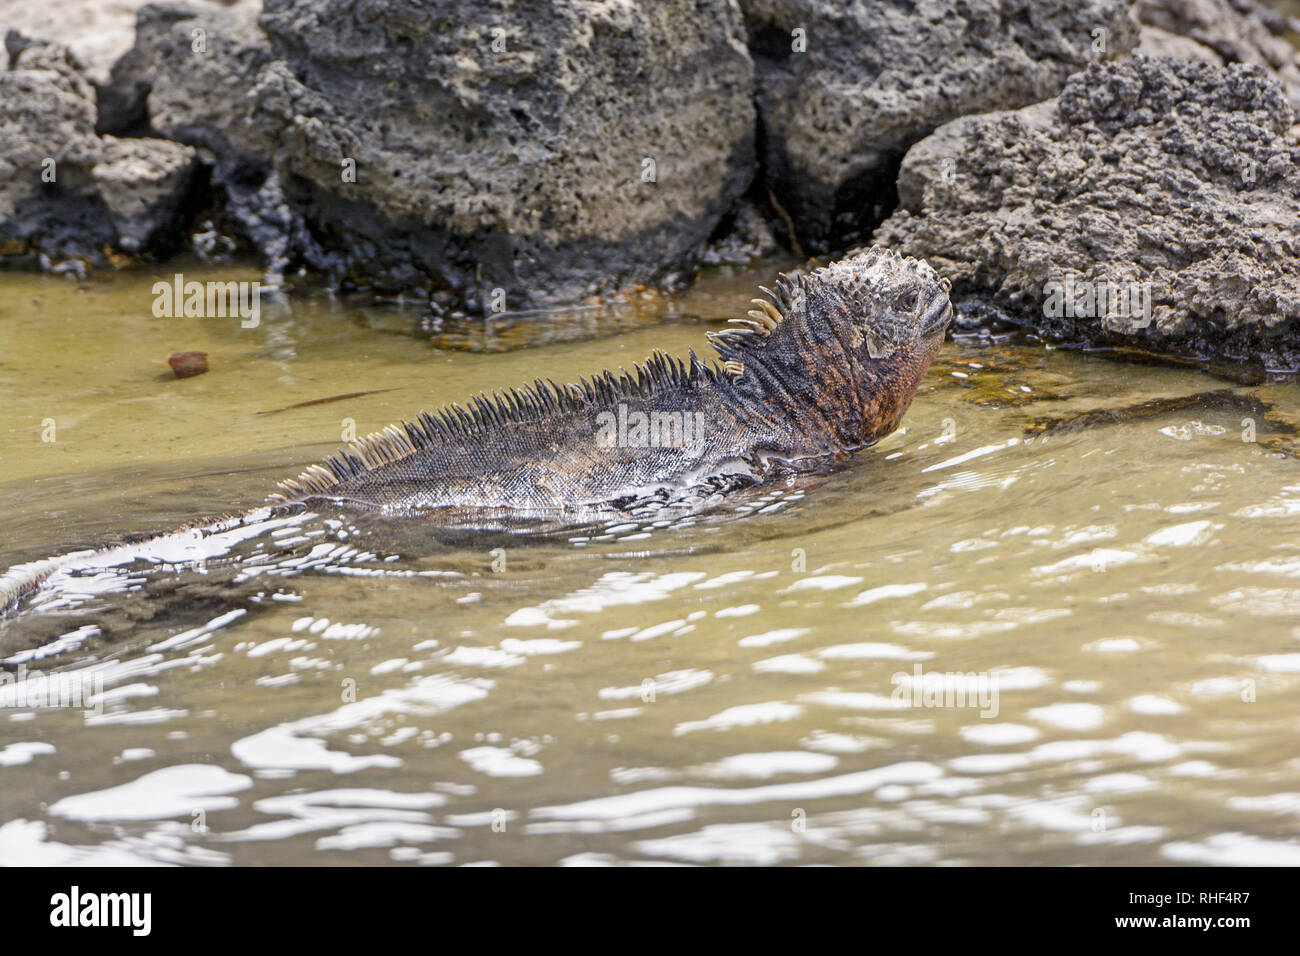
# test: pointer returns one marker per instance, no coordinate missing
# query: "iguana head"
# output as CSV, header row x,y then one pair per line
x,y
845,345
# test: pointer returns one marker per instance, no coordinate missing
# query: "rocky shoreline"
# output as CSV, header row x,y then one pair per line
x,y
1094,171
1155,203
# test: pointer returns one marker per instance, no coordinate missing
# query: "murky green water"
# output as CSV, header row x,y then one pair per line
x,y
1118,593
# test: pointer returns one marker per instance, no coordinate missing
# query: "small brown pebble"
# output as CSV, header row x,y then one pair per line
x,y
185,364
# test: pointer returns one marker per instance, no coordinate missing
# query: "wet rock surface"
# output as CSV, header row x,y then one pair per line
x,y
844,89
70,198
527,155
1160,183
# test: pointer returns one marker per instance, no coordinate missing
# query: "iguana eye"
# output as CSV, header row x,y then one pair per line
x,y
907,302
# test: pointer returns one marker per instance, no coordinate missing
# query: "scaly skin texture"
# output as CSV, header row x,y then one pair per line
x,y
827,365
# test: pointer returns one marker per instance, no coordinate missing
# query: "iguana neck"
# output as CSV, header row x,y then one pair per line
x,y
844,414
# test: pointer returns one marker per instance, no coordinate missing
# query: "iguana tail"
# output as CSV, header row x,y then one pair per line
x,y
188,545
22,579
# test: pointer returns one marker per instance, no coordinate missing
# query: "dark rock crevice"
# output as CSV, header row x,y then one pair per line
x,y
869,80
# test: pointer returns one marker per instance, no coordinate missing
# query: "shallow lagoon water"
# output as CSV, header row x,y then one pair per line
x,y
1093,538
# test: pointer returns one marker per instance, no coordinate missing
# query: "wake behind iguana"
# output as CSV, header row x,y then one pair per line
x,y
825,365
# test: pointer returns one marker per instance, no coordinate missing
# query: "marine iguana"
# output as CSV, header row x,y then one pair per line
x,y
825,365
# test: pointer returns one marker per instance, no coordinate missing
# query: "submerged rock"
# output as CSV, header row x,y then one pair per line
x,y
1155,203
69,197
188,364
845,88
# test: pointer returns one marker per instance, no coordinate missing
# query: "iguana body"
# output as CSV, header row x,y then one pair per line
x,y
827,365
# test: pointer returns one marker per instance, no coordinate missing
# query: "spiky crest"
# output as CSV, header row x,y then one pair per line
x,y
752,332
489,413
